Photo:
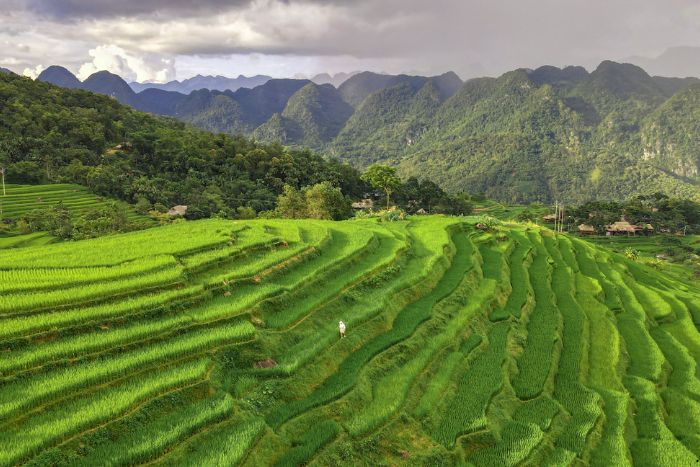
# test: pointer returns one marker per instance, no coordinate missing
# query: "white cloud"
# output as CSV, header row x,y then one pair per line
x,y
128,65
33,72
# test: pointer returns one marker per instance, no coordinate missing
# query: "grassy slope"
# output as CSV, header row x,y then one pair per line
x,y
20,199
215,342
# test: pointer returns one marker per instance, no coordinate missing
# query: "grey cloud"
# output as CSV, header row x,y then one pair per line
x,y
469,36
76,9
81,9
675,61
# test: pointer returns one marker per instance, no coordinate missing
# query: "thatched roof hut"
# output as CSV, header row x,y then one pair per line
x,y
366,203
586,229
179,210
625,228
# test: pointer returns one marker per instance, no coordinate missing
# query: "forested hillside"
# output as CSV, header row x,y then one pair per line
x,y
313,115
529,135
559,134
49,134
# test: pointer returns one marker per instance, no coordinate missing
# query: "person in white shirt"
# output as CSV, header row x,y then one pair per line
x,y
341,328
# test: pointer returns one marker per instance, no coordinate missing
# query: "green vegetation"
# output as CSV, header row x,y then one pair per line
x,y
54,135
313,115
543,327
19,200
663,213
320,201
384,178
215,342
528,135
64,211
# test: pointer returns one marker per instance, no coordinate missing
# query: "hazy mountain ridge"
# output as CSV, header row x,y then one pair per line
x,y
159,102
336,79
104,82
213,83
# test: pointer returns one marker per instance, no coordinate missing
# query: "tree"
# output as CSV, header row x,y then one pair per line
x,y
4,160
245,212
382,177
431,194
526,215
460,205
291,204
319,201
324,201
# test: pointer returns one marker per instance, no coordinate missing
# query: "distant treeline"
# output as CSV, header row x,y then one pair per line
x,y
662,212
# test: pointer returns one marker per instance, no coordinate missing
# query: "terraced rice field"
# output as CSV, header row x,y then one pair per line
x,y
20,199
215,343
25,240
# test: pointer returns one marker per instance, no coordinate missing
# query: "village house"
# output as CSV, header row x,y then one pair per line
x,y
623,227
363,204
178,211
586,229
126,146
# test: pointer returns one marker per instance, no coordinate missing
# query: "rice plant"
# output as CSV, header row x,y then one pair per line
x,y
467,410
29,436
42,300
535,364
33,391
224,446
155,438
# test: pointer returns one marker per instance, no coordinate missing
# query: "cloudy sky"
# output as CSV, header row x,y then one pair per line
x,y
167,39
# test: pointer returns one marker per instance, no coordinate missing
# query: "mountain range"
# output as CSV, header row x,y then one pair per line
x,y
218,83
294,111
223,83
528,135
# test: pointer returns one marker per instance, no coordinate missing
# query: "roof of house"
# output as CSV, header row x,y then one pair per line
x,y
179,210
586,228
362,204
623,226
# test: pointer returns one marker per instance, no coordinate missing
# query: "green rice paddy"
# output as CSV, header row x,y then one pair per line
x,y
215,342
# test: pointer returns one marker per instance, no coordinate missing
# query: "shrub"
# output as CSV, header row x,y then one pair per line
x,y
489,222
